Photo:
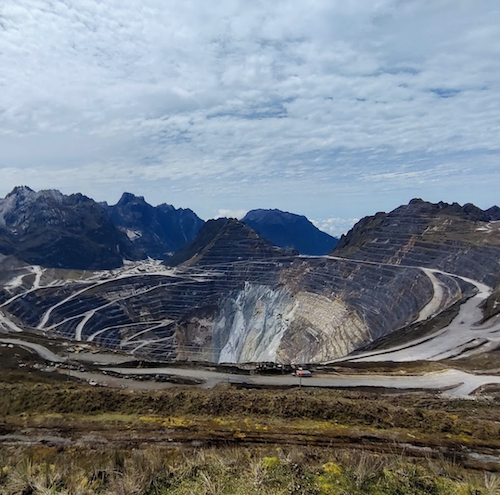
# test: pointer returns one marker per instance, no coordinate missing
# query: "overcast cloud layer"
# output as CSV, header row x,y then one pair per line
x,y
330,108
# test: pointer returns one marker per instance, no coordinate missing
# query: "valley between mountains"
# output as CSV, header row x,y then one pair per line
x,y
417,284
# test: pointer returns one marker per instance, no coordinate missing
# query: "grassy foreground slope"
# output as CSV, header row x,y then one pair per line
x,y
242,471
60,437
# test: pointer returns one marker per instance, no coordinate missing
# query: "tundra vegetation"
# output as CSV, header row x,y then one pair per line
x,y
61,437
232,470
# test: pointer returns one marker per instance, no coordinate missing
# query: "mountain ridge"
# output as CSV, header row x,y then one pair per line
x,y
286,229
459,239
156,230
226,240
51,229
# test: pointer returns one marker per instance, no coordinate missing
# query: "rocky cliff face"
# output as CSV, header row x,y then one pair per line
x,y
250,323
260,323
289,230
51,229
157,231
460,239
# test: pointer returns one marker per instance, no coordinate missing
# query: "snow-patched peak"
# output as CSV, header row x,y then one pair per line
x,y
49,228
7,206
20,191
19,195
22,194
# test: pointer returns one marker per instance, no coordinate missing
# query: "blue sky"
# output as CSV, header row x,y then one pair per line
x,y
330,108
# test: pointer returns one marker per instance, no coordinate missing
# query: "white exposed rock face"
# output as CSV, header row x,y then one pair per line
x,y
251,324
21,196
264,324
132,234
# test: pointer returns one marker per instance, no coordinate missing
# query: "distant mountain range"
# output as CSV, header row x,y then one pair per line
x,y
51,229
54,230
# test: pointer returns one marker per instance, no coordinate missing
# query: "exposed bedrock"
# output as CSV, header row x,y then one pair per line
x,y
194,335
260,323
385,297
321,328
321,309
251,323
461,240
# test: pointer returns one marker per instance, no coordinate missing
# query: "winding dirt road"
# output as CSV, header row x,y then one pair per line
x,y
451,382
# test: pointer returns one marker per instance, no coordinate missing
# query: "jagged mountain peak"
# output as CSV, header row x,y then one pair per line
x,y
21,195
20,191
54,230
24,192
142,228
286,229
128,198
157,230
468,211
166,207
23,202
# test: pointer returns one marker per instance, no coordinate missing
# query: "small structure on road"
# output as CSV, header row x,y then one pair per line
x,y
303,373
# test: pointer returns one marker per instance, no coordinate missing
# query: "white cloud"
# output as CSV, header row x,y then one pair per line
x,y
324,108
222,213
335,226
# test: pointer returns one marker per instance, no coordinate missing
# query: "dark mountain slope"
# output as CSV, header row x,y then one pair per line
x,y
158,231
224,241
289,230
460,239
53,230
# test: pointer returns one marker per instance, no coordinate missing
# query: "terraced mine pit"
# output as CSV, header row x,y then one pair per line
x,y
290,309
